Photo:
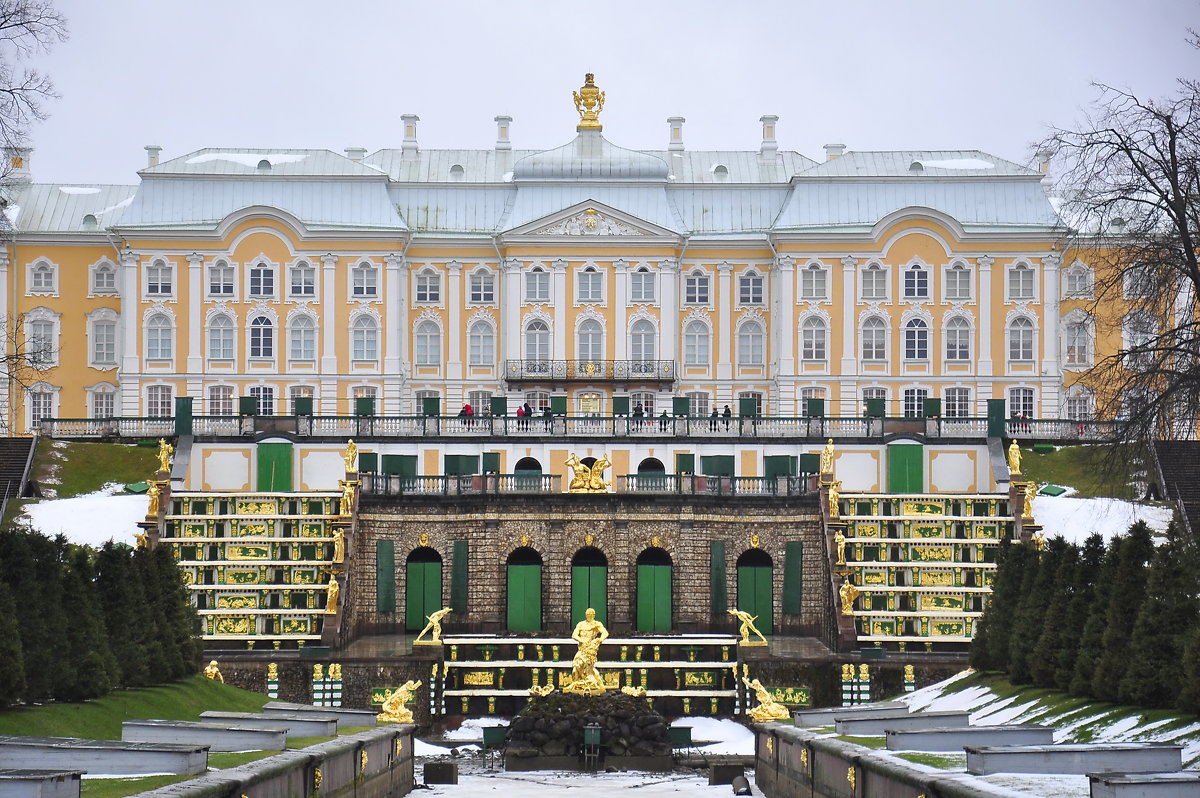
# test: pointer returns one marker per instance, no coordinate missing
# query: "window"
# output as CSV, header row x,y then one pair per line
x,y
429,286
302,338
874,339
41,348
645,399
1078,336
1138,331
805,395
265,395
364,339
698,404
365,392
537,285
1138,282
104,278
1020,340
483,288
104,342
538,400
756,396
420,396
220,400
160,401
642,344
590,341
958,283
220,279
364,283
428,342
103,401
695,288
160,338
916,340
591,285
958,340
750,289
262,338
220,338
958,403
481,344
1020,282
303,281
750,344
299,392
813,337
41,406
696,344
43,278
642,285
537,341
813,282
158,279
914,402
1080,404
1079,281
874,393
874,283
916,282
262,280
1020,402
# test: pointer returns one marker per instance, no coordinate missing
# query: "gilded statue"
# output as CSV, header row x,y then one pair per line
x,y
636,692
834,496
768,708
318,672
1014,457
589,102
153,492
272,671
165,450
434,627
747,628
827,457
1030,492
394,709
589,634
597,483
839,540
143,539
348,486
339,545
331,595
1039,540
213,672
335,671
848,593
541,691
351,457
588,479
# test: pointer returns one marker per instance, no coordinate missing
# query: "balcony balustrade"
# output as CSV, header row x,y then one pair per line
x,y
589,370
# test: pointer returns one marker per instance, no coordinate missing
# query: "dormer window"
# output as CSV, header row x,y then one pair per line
x,y
720,173
457,173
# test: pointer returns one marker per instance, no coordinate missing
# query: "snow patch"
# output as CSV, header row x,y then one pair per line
x,y
1076,519
122,204
78,190
728,736
957,163
91,519
250,159
472,728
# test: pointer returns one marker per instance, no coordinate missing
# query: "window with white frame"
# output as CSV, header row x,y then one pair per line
x,y
220,400
262,280
916,340
1138,333
1079,281
1080,404
537,285
537,340
957,403
302,338
1020,282
958,340
41,340
698,403
874,283
1020,402
299,392
481,343
958,282
160,401
419,398
1077,334
590,341
220,279
1138,282
538,400
427,342
262,337
364,392
1020,340
41,404
43,278
874,339
914,402
590,285
265,395
750,289
104,278
750,344
589,403
805,395
220,338
429,287
696,288
696,344
302,280
102,334
643,343
160,337
364,339
874,393
160,279
102,401
483,288
916,281
642,285
814,282
364,282
814,337
481,401
756,396
645,399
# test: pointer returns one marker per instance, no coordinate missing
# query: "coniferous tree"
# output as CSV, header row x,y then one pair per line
x,y
1043,659
95,672
1189,667
1124,604
1087,567
1036,588
29,565
123,604
1091,640
989,650
179,617
158,663
12,659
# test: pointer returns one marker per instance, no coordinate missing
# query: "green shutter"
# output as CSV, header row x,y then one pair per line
x,y
525,598
720,465
558,405
995,418
754,595
815,408
431,405
589,589
461,464
460,575
404,465
422,593
364,406
491,462
905,468
368,462
685,464
810,463
302,406
747,406
183,415
274,467
385,576
499,405
793,559
720,593
654,598
779,465
620,406
876,408
680,405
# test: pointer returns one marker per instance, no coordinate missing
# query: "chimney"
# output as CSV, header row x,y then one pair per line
x,y
675,144
18,164
769,147
356,154
503,123
152,151
408,150
834,151
1044,157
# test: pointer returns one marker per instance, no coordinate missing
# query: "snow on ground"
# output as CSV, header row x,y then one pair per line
x,y
555,783
726,736
93,518
472,728
1076,519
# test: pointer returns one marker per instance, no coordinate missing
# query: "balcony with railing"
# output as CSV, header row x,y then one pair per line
x,y
589,370
657,484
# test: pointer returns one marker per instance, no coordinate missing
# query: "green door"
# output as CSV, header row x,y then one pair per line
x,y
422,588
524,598
589,588
653,594
754,588
274,467
905,472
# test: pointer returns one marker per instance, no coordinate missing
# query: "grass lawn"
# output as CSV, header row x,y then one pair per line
x,y
87,467
119,788
1094,471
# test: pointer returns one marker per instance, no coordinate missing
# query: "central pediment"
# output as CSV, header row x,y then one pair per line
x,y
591,219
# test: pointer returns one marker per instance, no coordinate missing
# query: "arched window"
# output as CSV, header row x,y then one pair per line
x,y
457,173
160,338
642,345
1020,340
641,285
874,339
220,338
104,278
220,279
590,341
695,288
750,344
481,344
262,280
303,280
812,340
958,339
428,341
813,282
1020,282
262,337
537,285
591,285
537,340
916,282
42,278
302,338
874,282
958,282
696,344
364,282
916,340
364,339
429,286
1078,281
750,289
1078,337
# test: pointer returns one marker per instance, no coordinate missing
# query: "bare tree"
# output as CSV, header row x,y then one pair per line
x,y
27,27
1130,188
24,358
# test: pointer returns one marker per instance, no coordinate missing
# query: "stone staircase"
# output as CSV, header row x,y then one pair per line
x,y
14,464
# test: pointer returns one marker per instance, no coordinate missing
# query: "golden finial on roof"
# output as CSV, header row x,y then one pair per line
x,y
589,102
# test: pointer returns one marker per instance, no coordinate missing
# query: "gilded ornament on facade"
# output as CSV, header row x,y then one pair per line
x,y
524,541
273,671
655,542
755,540
423,539
589,539
589,102
362,760
909,674
317,778
541,691
851,777
847,593
318,672
588,479
770,745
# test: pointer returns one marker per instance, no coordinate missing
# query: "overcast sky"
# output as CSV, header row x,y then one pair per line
x,y
918,74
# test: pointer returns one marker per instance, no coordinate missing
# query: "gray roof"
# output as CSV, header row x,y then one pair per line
x,y
229,161
590,156
900,163
52,208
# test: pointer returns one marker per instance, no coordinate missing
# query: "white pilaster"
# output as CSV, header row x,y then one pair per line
x,y
985,315
130,322
849,344
558,288
195,319
1051,370
724,299
620,305
5,400
395,323
454,316
329,317
783,336
510,326
668,286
